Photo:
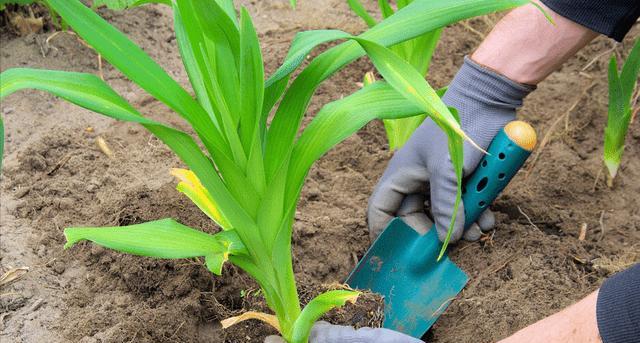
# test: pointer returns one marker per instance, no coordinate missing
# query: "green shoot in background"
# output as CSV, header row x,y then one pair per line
x,y
621,88
4,3
248,175
417,51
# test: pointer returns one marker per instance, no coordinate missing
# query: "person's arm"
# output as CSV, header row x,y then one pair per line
x,y
525,47
610,315
575,324
520,51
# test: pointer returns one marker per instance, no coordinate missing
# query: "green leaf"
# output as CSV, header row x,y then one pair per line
x,y
456,150
340,119
210,93
90,92
385,8
251,84
116,48
403,3
358,9
320,305
408,82
420,50
229,8
82,89
215,43
164,238
400,130
194,66
303,43
630,70
16,2
124,4
417,18
619,112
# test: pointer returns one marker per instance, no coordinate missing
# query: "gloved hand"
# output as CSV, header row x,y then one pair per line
x,y
486,102
324,332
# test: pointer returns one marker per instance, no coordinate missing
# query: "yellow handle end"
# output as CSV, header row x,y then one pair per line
x,y
522,134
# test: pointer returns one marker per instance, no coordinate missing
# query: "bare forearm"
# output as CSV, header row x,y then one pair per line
x,y
575,324
525,47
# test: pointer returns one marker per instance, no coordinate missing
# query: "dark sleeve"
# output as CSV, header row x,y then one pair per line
x,y
612,18
618,307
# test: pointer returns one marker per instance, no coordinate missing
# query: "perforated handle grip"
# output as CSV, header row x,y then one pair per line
x,y
507,153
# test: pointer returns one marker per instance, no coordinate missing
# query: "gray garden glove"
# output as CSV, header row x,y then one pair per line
x,y
486,102
324,332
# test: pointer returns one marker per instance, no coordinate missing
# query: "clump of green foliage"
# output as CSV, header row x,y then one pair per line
x,y
620,112
246,174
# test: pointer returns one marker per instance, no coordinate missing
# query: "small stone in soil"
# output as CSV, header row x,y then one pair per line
x,y
58,267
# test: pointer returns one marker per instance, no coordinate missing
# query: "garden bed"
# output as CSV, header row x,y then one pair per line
x,y
54,176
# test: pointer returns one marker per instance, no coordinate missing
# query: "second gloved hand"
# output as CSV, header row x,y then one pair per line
x,y
486,102
324,332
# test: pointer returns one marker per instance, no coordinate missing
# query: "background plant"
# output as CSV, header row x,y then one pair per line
x,y
418,52
247,175
621,88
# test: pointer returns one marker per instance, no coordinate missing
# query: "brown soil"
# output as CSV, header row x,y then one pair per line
x,y
55,176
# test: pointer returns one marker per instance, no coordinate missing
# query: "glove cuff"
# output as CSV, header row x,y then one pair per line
x,y
490,87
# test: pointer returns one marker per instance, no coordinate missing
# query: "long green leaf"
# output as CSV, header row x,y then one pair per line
x,y
251,83
227,6
82,89
340,119
164,238
417,18
303,43
408,82
124,4
320,305
618,118
205,58
191,59
621,88
214,40
358,9
385,8
630,70
116,48
456,150
89,91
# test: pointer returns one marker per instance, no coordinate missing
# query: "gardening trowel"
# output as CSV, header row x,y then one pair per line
x,y
402,265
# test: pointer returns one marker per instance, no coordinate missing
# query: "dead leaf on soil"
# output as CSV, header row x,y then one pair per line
x,y
12,275
26,25
264,317
102,144
583,232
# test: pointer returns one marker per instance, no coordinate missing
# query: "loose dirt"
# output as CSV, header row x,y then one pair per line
x,y
55,176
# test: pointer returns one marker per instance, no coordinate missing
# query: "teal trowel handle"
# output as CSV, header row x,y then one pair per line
x,y
507,153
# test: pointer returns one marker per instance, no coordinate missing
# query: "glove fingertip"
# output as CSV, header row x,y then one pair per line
x,y
487,220
473,233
